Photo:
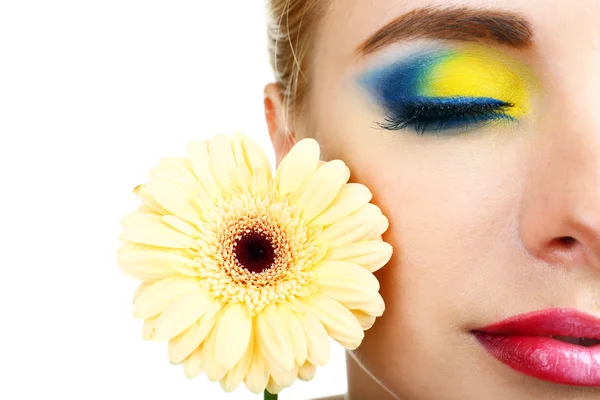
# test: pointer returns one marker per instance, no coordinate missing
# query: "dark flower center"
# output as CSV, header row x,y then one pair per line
x,y
254,251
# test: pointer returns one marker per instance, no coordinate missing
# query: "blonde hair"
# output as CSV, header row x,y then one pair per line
x,y
291,31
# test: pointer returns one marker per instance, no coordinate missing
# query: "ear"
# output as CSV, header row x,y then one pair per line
x,y
282,136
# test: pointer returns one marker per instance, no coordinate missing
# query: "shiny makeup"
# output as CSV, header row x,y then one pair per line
x,y
449,88
556,345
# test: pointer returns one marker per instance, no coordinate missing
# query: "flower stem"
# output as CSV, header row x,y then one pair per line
x,y
269,396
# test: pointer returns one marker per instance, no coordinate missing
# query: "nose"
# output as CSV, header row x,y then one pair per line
x,y
560,213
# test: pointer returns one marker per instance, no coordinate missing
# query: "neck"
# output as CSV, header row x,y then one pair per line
x,y
361,384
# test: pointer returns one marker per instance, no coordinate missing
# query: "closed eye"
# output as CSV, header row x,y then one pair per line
x,y
426,114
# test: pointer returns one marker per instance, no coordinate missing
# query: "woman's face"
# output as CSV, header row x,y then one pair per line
x,y
485,156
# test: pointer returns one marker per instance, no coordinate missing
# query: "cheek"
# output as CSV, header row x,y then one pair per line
x,y
444,213
451,205
442,196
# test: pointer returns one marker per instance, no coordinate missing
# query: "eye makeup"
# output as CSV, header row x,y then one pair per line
x,y
441,89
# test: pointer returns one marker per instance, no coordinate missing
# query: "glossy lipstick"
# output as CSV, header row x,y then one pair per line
x,y
556,345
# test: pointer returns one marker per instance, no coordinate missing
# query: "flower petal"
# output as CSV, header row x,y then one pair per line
x,y
375,306
140,289
131,246
149,265
194,364
157,297
223,164
365,320
142,193
282,377
357,227
141,214
236,375
233,335
298,165
189,268
307,372
200,161
340,274
181,346
322,188
260,184
178,200
254,155
244,178
244,171
149,327
214,371
207,200
152,230
296,334
351,197
258,375
347,283
273,387
339,322
274,339
181,225
174,169
182,313
317,340
250,158
371,255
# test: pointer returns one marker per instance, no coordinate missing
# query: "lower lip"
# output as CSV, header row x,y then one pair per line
x,y
546,358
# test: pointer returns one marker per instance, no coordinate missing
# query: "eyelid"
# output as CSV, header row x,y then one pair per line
x,y
479,72
464,70
441,76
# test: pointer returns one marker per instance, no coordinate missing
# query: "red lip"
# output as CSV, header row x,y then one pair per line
x,y
524,343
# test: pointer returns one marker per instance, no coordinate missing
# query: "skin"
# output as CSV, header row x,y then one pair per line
x,y
478,220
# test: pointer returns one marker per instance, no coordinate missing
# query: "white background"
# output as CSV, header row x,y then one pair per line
x,y
92,94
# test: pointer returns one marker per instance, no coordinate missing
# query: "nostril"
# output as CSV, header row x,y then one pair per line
x,y
564,243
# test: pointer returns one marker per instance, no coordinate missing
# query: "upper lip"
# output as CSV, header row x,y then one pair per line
x,y
551,322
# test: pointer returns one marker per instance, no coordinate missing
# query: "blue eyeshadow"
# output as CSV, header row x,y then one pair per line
x,y
402,80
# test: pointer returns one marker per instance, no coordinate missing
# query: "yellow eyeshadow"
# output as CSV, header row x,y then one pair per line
x,y
476,71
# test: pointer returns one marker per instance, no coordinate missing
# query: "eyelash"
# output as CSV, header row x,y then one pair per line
x,y
438,114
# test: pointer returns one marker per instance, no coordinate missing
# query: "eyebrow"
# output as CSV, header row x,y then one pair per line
x,y
459,23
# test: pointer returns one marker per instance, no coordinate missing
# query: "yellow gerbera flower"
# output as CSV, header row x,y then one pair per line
x,y
245,274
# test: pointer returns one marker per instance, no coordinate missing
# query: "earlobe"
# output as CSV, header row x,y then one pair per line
x,y
282,137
